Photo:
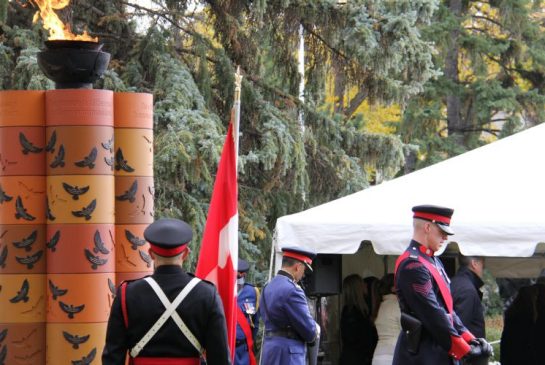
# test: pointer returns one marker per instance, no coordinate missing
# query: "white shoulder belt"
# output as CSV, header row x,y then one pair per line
x,y
170,312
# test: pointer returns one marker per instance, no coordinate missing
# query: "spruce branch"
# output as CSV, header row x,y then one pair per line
x,y
324,42
162,15
493,21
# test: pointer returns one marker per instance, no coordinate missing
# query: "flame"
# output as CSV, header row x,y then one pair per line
x,y
57,29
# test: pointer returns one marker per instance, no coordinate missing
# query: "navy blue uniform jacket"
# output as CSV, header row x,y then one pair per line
x,y
201,310
467,300
419,296
284,306
247,301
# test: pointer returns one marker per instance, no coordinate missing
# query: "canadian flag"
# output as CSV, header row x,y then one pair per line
x,y
218,257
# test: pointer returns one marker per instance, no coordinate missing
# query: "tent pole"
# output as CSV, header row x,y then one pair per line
x,y
271,267
271,260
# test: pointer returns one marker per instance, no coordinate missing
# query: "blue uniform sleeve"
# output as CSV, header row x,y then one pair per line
x,y
415,283
299,315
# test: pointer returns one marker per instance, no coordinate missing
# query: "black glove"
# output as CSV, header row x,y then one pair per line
x,y
485,347
475,351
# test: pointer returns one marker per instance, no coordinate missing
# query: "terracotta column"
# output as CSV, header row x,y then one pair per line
x,y
133,183
22,227
81,223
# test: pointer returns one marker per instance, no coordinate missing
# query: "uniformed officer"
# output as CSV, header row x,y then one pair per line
x,y
431,332
288,323
247,317
170,317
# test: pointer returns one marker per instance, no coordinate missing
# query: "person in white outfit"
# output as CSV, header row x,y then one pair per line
x,y
387,322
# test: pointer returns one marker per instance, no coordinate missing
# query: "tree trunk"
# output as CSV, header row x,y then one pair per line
x,y
355,102
339,86
3,11
454,114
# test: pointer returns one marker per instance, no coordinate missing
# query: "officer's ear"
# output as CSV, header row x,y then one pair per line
x,y
151,254
428,227
185,253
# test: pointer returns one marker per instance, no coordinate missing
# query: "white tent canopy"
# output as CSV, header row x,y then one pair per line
x,y
497,192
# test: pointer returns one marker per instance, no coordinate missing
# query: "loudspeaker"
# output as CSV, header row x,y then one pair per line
x,y
326,279
449,263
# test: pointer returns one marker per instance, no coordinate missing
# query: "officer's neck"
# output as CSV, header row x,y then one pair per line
x,y
156,265
421,239
287,272
162,261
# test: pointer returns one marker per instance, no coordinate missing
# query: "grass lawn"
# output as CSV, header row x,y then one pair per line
x,y
494,328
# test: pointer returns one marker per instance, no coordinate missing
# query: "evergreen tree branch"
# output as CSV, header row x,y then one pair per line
x,y
256,80
161,15
536,78
493,131
476,29
324,42
109,36
193,53
493,21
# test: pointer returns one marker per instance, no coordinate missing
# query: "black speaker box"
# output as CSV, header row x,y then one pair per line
x,y
326,277
449,263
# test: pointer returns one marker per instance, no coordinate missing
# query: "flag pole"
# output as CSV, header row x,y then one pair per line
x,y
218,256
236,119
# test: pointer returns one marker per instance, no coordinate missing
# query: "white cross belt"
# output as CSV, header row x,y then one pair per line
x,y
170,312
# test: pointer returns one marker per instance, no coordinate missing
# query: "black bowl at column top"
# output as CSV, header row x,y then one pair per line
x,y
65,43
73,64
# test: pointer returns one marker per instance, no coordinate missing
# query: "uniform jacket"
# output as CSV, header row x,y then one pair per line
x,y
283,306
419,295
201,310
247,300
467,300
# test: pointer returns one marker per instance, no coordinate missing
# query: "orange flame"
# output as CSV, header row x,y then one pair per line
x,y
57,29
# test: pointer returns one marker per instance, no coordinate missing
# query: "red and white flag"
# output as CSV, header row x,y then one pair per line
x,y
218,257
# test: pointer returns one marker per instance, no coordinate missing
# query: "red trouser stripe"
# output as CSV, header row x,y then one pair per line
x,y
165,361
124,304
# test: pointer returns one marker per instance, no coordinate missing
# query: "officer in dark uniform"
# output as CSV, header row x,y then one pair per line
x,y
170,317
432,333
288,323
247,317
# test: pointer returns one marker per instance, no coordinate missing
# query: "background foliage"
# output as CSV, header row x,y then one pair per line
x,y
443,71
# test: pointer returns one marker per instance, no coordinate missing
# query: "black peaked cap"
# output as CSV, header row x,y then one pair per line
x,y
243,265
168,233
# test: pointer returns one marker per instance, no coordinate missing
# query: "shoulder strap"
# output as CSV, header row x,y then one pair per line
x,y
265,306
443,288
170,311
257,296
245,326
124,304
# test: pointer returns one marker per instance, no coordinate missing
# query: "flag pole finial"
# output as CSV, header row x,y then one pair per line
x,y
238,83
236,109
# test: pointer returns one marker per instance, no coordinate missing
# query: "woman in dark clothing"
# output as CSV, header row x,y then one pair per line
x,y
539,329
372,295
358,333
522,337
